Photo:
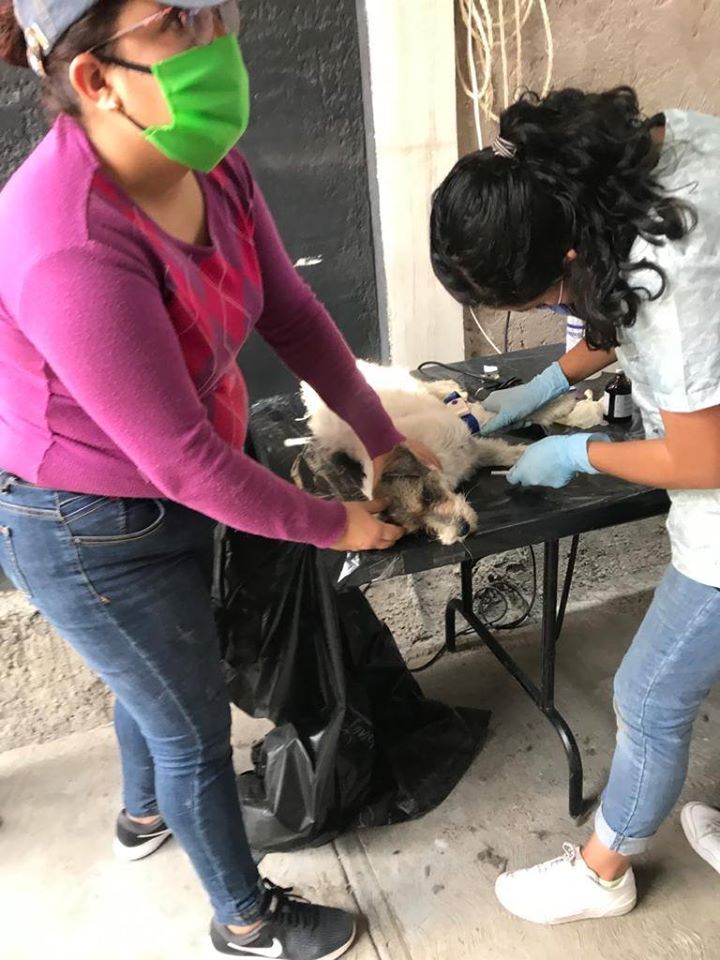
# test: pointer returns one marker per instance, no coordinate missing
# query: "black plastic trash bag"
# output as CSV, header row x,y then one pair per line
x,y
356,743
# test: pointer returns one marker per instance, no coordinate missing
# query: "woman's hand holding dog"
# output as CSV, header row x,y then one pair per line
x,y
364,531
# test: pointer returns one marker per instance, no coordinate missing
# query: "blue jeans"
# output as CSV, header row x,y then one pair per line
x,y
668,671
127,583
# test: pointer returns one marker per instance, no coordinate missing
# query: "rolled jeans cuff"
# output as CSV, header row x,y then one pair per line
x,y
627,846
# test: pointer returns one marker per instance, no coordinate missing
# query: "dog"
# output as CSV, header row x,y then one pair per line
x,y
438,414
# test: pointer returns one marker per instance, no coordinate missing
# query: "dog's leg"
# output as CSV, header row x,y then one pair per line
x,y
443,388
497,453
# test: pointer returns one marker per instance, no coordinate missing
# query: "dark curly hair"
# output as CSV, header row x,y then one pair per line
x,y
583,177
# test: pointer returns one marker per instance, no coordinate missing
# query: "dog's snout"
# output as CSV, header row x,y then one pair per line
x,y
463,528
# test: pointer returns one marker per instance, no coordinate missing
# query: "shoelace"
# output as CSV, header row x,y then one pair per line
x,y
569,855
287,907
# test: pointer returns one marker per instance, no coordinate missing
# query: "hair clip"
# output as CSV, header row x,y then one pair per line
x,y
37,46
503,148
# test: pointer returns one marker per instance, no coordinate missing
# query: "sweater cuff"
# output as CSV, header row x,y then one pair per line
x,y
328,523
382,441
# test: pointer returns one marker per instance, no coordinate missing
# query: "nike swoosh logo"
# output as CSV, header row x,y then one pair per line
x,y
272,953
149,836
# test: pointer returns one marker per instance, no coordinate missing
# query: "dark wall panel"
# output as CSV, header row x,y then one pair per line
x,y
306,144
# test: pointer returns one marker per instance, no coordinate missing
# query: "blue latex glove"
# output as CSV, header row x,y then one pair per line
x,y
516,404
554,461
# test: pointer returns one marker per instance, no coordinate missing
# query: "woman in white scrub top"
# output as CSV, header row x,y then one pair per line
x,y
583,202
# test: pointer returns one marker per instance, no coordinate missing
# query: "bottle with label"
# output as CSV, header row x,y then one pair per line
x,y
617,400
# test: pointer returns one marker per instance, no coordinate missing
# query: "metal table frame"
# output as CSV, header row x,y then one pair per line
x,y
543,696
616,503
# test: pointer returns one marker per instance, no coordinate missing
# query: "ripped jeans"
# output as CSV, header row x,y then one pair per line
x,y
127,583
668,671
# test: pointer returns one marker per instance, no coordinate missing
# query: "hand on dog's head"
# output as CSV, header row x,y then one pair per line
x,y
421,499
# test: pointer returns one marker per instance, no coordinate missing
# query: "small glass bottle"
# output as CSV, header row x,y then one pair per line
x,y
617,400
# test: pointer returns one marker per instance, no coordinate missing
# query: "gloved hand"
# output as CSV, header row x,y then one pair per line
x,y
554,461
517,403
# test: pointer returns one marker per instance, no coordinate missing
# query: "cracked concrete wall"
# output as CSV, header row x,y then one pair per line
x,y
666,49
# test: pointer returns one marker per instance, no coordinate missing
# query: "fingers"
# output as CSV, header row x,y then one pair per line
x,y
375,506
424,454
389,533
497,423
493,402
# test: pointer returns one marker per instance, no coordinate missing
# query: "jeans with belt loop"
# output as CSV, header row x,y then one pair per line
x,y
127,583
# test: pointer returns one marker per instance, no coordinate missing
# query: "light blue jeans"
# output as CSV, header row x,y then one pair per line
x,y
668,671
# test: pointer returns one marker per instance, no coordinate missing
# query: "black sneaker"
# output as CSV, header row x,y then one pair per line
x,y
293,929
133,841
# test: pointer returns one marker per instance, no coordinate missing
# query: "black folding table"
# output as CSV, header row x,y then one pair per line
x,y
508,518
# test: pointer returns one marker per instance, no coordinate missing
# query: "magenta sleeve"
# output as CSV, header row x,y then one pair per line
x,y
98,319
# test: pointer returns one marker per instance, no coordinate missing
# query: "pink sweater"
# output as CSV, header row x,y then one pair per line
x,y
118,344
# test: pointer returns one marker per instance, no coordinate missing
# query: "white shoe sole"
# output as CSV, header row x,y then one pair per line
x,y
335,955
689,830
619,910
131,854
616,912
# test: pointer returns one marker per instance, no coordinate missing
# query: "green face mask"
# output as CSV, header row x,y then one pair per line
x,y
208,93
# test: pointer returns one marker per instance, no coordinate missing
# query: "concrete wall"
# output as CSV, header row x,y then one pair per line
x,y
667,49
409,72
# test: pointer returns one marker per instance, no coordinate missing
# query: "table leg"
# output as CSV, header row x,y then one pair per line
x,y
543,695
550,635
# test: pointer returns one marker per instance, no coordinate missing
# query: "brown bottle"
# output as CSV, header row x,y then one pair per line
x,y
617,400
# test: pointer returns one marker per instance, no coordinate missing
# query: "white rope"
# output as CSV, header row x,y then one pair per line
x,y
475,92
492,30
503,53
550,46
483,331
486,31
518,48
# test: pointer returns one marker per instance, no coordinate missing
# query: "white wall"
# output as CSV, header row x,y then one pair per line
x,y
408,54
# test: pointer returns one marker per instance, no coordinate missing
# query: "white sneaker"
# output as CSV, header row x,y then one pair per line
x,y
701,824
563,890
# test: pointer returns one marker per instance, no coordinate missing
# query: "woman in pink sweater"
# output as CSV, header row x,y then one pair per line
x,y
136,256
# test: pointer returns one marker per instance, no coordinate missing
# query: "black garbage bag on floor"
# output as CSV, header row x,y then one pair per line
x,y
356,743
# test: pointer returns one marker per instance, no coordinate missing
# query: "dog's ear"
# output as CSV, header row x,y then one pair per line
x,y
403,463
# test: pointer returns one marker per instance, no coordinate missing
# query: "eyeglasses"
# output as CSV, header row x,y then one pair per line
x,y
198,25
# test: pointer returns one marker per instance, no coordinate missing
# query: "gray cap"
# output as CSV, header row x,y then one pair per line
x,y
45,21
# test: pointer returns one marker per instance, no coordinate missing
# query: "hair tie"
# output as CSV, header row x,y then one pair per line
x,y
503,148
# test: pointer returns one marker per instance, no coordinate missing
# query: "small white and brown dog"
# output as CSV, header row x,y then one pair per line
x,y
439,415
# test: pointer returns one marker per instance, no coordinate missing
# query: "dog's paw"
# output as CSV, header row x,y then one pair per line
x,y
515,451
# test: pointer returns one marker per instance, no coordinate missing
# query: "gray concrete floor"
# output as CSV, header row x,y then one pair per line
x,y
425,887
